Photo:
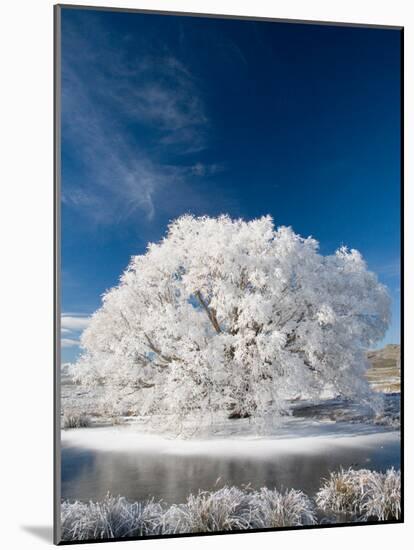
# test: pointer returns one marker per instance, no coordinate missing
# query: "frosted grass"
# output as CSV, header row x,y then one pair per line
x,y
75,420
271,509
360,494
113,517
228,509
224,510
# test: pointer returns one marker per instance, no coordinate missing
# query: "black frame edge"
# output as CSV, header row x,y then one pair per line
x,y
230,16
56,273
402,278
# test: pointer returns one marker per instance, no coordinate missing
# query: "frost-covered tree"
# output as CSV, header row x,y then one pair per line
x,y
235,316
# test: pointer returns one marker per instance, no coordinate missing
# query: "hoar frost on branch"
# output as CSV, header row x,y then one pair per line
x,y
236,317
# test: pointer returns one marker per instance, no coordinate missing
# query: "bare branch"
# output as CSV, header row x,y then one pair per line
x,y
210,312
166,358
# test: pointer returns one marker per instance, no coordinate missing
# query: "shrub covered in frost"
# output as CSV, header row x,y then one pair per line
x,y
273,509
384,496
362,494
75,420
111,518
208,511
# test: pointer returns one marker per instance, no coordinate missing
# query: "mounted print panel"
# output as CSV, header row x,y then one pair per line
x,y
228,288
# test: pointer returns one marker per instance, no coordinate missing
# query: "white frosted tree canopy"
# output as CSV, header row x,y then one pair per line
x,y
236,317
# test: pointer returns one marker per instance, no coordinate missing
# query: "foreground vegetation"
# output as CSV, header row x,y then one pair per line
x,y
75,420
349,495
362,494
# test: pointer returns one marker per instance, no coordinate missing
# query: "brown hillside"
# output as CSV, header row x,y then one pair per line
x,y
384,373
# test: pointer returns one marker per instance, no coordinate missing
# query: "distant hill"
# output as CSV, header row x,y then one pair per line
x,y
65,374
384,374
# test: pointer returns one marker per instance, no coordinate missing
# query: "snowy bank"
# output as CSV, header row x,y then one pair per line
x,y
233,438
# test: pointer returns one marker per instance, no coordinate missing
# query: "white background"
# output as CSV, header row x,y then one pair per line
x,y
26,301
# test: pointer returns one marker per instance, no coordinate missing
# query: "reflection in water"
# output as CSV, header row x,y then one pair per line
x,y
90,474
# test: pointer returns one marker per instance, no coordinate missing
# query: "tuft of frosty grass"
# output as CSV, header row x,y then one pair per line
x,y
223,510
113,517
362,494
75,420
271,509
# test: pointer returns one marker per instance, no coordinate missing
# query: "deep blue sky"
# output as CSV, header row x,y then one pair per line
x,y
163,115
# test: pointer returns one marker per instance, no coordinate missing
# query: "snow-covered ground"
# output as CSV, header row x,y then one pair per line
x,y
80,399
294,435
306,416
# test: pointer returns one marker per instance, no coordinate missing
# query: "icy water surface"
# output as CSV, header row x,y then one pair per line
x,y
139,474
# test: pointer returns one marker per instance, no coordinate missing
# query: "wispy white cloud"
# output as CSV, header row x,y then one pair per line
x,y
71,323
69,342
157,93
161,92
200,169
72,326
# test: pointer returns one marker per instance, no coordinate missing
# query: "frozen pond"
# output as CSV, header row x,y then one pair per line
x,y
123,462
